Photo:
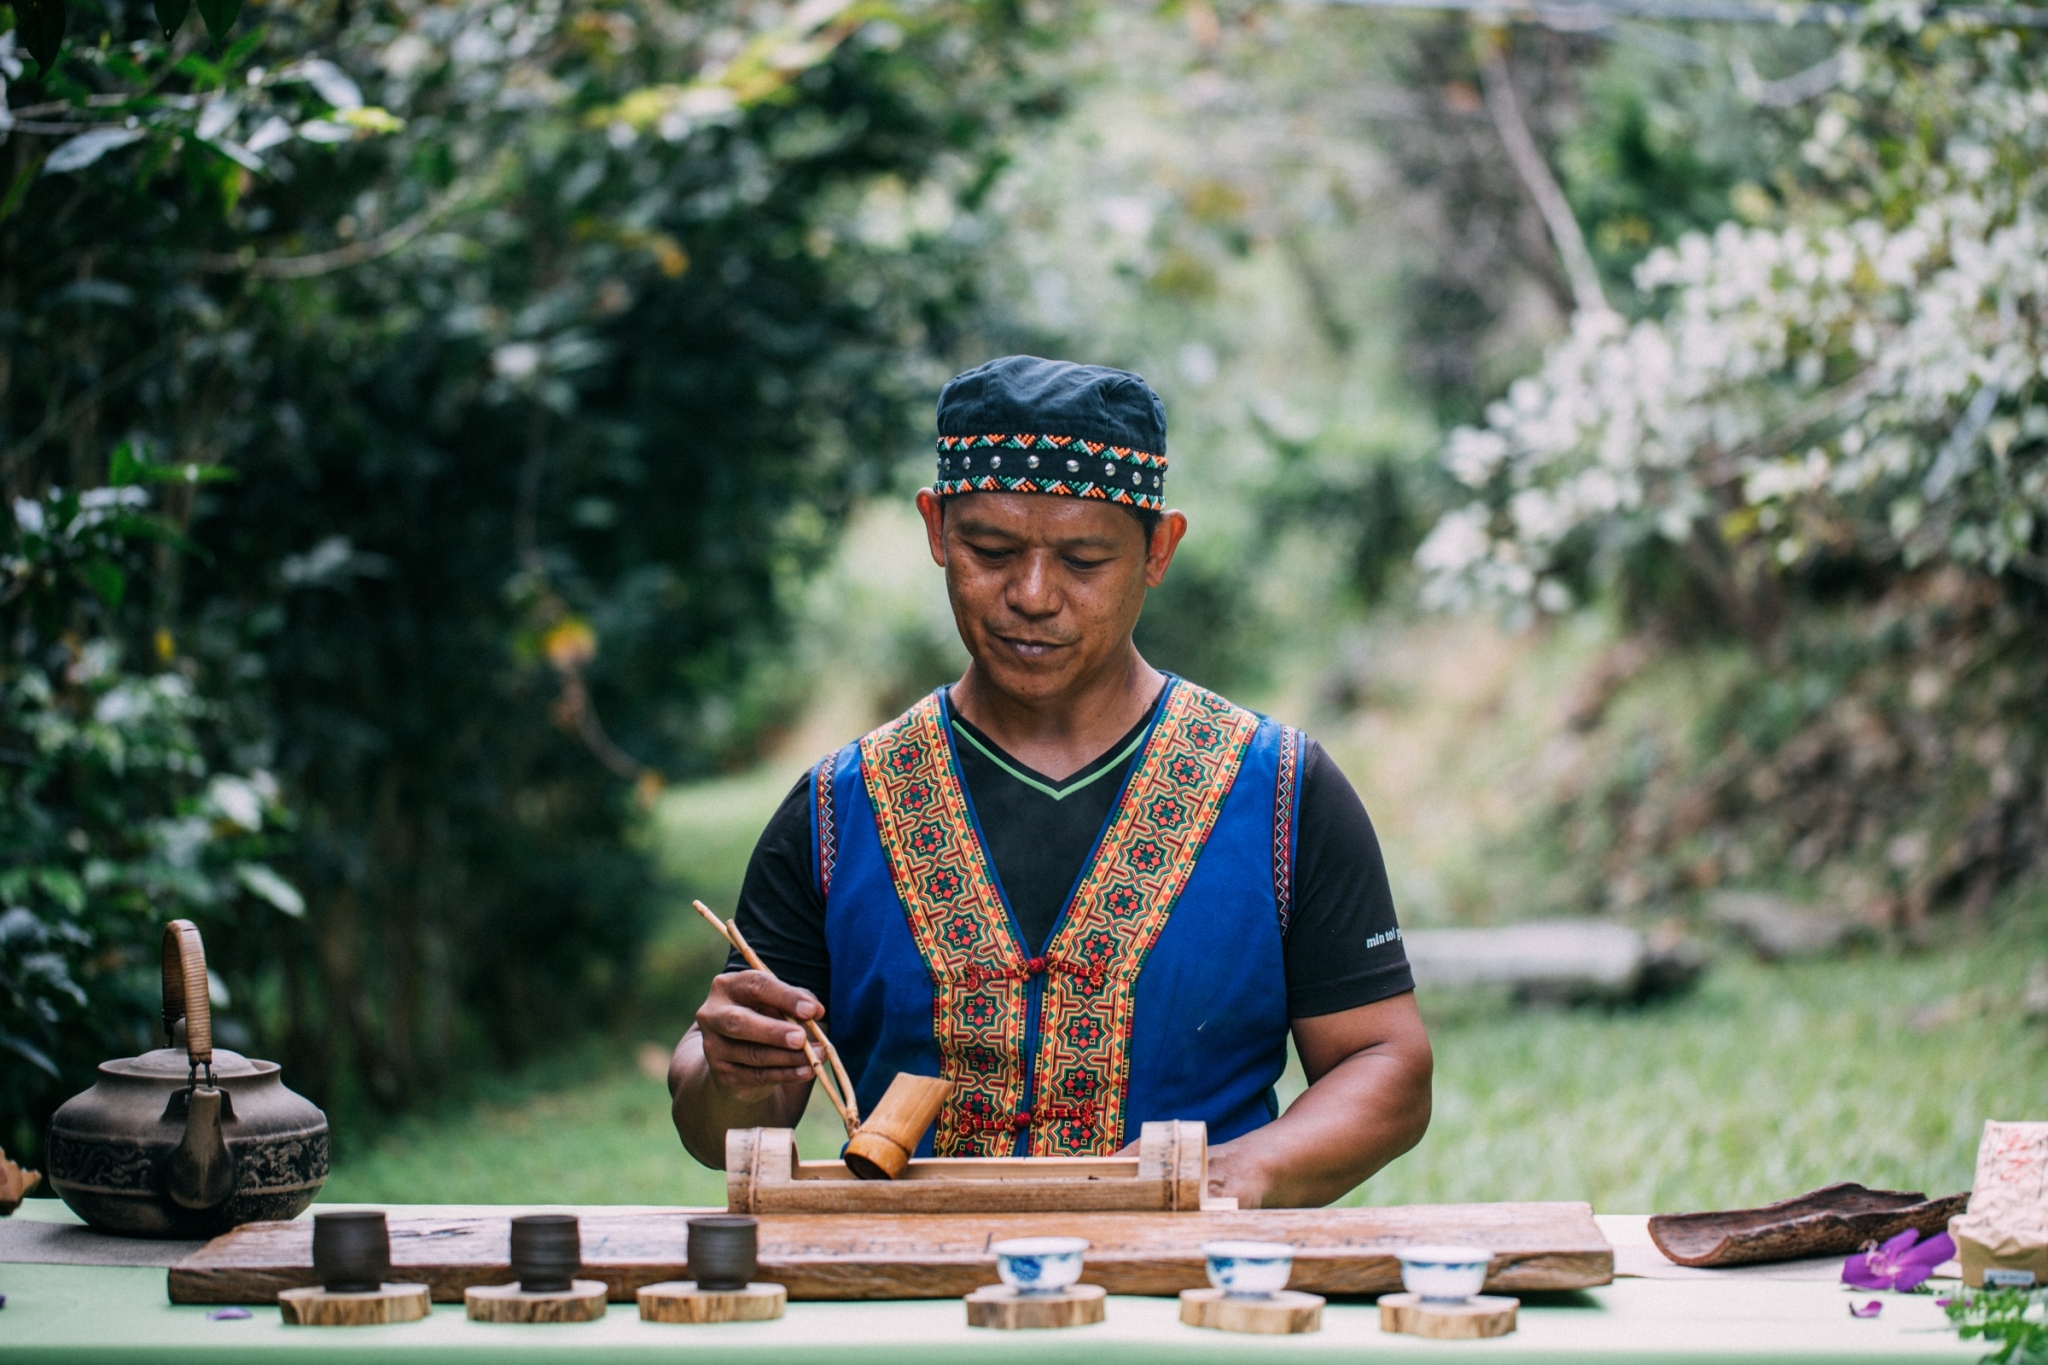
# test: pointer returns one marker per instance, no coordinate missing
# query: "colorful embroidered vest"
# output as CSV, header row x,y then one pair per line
x,y
1161,993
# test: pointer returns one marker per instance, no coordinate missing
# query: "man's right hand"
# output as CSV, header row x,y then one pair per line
x,y
750,1044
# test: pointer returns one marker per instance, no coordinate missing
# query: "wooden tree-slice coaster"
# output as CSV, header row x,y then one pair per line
x,y
1482,1315
1281,1314
582,1301
683,1301
1001,1307
315,1307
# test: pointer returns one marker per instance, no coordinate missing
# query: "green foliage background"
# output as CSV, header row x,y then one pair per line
x,y
529,361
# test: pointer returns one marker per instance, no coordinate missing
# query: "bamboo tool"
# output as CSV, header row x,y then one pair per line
x,y
881,1149
1169,1174
838,1086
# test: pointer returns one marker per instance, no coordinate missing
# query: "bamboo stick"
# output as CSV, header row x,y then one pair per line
x,y
829,1070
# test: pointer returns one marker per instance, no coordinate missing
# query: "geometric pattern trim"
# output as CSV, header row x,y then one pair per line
x,y
1085,984
1283,823
1175,793
1066,465
827,829
961,926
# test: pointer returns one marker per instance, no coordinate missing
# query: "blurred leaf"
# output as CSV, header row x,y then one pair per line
x,y
265,883
19,189
28,1052
87,148
330,83
42,31
220,17
372,120
170,14
105,579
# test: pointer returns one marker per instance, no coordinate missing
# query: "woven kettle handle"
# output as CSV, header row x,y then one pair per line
x,y
185,989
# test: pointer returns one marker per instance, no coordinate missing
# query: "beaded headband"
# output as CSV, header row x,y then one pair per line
x,y
1066,465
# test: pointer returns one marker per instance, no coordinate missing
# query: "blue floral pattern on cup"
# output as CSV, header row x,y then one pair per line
x,y
1039,1265
1443,1274
1249,1269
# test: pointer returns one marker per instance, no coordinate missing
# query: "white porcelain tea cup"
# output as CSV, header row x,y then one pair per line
x,y
1249,1269
1039,1265
1443,1274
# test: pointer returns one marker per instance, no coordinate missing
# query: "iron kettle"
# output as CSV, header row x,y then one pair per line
x,y
189,1140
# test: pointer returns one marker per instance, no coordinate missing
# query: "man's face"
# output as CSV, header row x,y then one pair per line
x,y
1045,589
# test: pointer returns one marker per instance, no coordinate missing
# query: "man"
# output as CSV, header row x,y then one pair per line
x,y
1086,892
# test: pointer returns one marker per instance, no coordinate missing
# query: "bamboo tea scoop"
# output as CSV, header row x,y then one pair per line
x,y
818,1049
881,1148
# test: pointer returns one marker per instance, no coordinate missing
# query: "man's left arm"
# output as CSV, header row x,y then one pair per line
x,y
1367,1102
1351,999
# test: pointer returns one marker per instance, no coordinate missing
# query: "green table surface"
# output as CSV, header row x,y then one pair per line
x,y
98,1313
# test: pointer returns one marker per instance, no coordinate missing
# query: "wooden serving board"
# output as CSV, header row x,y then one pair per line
x,y
935,1256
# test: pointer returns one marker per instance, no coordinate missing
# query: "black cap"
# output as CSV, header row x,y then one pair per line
x,y
1025,425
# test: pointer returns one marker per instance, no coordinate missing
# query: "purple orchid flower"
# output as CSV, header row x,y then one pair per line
x,y
1900,1264
1865,1310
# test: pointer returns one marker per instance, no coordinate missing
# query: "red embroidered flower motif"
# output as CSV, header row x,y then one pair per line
x,y
928,838
1123,900
1167,813
1078,1085
979,1011
1075,1133
983,1061
1146,856
916,796
902,759
1098,946
1202,734
1084,1031
961,931
1184,770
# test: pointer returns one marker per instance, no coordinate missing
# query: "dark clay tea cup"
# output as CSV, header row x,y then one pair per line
x,y
547,1251
722,1252
351,1251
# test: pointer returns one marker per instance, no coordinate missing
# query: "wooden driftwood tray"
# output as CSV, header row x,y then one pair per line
x,y
1168,1175
932,1256
1831,1221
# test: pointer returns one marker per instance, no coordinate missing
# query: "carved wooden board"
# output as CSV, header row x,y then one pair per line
x,y
932,1256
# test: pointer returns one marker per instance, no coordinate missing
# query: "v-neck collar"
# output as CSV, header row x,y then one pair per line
x,y
1089,773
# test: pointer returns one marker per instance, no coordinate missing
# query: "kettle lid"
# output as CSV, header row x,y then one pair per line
x,y
174,1064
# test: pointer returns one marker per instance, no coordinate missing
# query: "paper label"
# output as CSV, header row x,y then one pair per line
x,y
1996,1278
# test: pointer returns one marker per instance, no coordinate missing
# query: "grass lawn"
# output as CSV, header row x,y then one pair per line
x,y
1767,1081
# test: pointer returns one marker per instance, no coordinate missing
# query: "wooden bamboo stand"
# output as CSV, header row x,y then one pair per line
x,y
315,1307
683,1301
1168,1175
1483,1315
582,1301
1003,1308
1283,1314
